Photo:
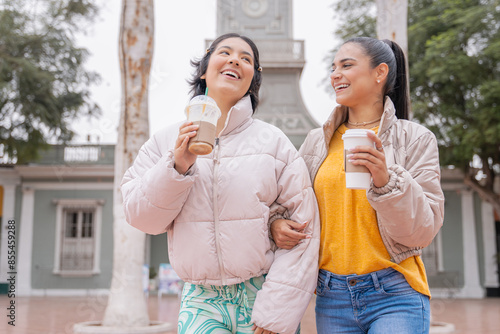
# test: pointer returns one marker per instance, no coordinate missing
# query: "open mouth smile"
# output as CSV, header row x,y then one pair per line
x,y
231,74
340,87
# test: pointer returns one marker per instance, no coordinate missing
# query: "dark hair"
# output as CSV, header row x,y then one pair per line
x,y
199,85
389,52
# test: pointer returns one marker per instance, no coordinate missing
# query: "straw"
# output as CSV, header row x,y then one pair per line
x,y
205,104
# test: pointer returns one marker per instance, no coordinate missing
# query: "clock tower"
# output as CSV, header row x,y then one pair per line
x,y
269,24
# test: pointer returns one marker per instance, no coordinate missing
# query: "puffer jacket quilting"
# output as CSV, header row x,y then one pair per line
x,y
216,216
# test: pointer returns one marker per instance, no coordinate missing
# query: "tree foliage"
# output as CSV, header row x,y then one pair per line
x,y
454,61
455,80
43,83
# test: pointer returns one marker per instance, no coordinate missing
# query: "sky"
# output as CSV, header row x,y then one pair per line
x,y
181,28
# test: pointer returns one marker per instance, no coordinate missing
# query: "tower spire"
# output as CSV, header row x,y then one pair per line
x,y
270,25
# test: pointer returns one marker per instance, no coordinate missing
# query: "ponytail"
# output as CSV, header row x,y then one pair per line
x,y
396,86
400,92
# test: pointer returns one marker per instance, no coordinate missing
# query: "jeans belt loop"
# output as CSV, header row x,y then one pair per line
x,y
327,279
375,280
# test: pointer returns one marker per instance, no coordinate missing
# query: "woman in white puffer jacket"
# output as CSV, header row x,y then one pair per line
x,y
216,208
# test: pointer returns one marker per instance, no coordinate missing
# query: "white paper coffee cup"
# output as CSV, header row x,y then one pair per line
x,y
356,177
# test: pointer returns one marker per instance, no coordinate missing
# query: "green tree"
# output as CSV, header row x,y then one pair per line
x,y
454,61
43,83
454,57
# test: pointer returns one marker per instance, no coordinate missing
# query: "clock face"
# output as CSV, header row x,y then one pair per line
x,y
255,8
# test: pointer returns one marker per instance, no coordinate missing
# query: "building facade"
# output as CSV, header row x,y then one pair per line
x,y
463,260
60,210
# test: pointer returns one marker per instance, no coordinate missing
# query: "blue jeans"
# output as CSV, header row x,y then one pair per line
x,y
377,303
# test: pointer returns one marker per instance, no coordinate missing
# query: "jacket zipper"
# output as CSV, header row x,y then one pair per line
x,y
216,210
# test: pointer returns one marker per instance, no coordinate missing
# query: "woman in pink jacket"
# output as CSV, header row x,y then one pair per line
x,y
216,208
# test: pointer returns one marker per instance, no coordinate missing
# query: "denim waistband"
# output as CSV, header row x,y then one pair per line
x,y
358,281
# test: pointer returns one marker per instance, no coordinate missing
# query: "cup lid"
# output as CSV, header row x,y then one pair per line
x,y
356,133
203,99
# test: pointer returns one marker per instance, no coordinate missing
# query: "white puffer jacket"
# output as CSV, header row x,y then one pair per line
x,y
216,216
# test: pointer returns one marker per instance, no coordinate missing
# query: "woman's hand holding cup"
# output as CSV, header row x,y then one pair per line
x,y
182,157
377,166
370,155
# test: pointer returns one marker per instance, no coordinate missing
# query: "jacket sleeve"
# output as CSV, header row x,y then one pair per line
x,y
291,280
411,206
153,191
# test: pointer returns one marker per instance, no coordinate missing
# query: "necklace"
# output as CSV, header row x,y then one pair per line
x,y
363,123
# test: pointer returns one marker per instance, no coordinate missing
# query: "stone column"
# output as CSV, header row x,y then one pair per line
x,y
25,248
490,262
472,286
9,202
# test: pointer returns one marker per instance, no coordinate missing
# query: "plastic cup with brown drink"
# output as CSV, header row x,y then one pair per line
x,y
356,177
202,110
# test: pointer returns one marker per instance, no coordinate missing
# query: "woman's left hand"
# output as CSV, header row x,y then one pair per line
x,y
287,233
372,158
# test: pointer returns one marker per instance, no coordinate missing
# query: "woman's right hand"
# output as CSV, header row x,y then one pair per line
x,y
183,159
287,233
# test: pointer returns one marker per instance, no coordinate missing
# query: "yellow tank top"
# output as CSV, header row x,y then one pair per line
x,y
350,238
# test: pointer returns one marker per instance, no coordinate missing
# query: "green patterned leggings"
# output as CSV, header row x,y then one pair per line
x,y
218,309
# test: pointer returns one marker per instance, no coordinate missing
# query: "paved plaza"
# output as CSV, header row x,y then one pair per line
x,y
56,315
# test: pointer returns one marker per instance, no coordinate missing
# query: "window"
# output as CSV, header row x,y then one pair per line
x,y
431,256
78,237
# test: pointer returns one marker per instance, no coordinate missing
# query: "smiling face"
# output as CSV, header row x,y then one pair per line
x,y
353,78
230,71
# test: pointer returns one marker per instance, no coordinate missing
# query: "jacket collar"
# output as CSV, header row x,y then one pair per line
x,y
388,117
239,116
339,116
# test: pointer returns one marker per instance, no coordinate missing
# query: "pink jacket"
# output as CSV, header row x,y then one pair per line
x,y
216,216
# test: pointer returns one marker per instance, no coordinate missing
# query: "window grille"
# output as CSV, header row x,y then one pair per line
x,y
78,237
77,251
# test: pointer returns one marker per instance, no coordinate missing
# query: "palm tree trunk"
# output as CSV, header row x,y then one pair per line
x,y
127,305
392,21
392,24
